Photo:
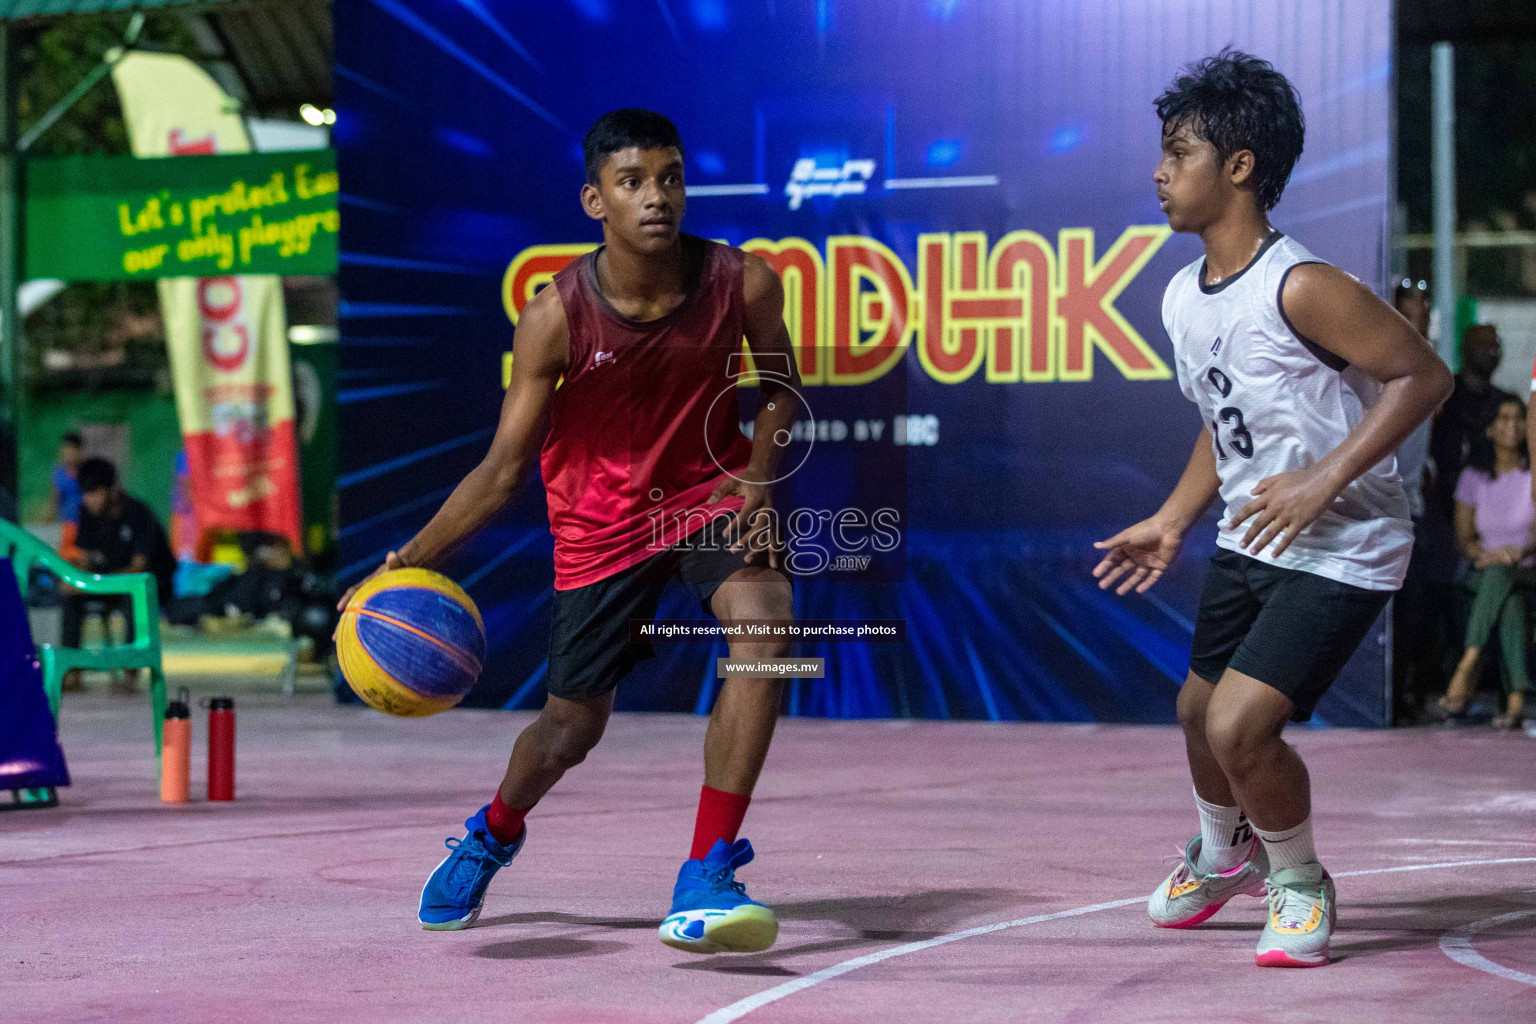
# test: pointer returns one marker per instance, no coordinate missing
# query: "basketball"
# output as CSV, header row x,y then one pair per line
x,y
411,643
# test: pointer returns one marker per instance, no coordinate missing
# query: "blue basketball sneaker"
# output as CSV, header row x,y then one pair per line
x,y
711,912
452,896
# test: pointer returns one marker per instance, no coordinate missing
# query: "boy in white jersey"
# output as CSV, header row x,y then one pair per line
x,y
1306,383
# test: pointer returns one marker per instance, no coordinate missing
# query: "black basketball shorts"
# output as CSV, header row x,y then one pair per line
x,y
1290,629
590,650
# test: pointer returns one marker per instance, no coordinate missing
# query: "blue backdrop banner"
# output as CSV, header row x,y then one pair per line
x,y
958,197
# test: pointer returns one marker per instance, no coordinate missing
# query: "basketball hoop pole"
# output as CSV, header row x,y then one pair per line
x,y
1442,76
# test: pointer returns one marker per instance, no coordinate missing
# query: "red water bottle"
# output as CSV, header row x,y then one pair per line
x,y
221,748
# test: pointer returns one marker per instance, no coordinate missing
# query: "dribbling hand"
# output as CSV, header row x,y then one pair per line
x,y
391,562
1140,554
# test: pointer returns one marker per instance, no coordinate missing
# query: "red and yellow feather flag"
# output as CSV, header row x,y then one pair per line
x,y
227,336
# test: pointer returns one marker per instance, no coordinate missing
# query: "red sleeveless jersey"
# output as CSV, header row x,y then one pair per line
x,y
646,423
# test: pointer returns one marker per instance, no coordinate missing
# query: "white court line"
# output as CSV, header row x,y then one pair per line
x,y
1432,867
958,181
1458,946
742,1007
1468,842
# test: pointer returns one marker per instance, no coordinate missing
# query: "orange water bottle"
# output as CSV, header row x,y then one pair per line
x,y
176,750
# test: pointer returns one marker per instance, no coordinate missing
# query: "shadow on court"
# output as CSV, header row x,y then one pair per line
x,y
876,920
554,917
1401,925
1421,923
555,948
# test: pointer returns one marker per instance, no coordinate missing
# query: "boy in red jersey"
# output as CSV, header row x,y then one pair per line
x,y
648,477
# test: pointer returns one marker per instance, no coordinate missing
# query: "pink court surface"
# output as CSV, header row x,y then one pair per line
x,y
921,871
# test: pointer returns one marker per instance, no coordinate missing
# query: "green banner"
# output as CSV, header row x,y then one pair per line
x,y
122,218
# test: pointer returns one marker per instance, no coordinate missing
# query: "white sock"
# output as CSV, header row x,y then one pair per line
x,y
1224,837
1291,848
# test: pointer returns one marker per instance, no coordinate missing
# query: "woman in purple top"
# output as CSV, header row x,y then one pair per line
x,y
1494,520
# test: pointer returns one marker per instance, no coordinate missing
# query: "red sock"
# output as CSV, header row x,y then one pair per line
x,y
503,822
720,815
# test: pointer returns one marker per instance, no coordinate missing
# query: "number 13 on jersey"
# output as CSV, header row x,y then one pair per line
x,y
1238,437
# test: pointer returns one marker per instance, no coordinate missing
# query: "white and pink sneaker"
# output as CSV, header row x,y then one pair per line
x,y
1301,913
1189,897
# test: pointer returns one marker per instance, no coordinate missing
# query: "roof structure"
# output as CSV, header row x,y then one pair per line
x,y
271,55
20,10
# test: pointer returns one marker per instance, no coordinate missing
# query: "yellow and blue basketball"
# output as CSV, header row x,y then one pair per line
x,y
411,643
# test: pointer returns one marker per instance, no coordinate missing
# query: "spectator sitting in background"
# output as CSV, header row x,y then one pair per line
x,y
1494,520
118,533
270,584
66,492
66,489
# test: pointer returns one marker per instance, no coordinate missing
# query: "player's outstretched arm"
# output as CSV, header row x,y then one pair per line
x,y
1337,313
541,349
1147,550
778,379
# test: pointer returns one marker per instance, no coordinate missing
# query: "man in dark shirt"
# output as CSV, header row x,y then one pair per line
x,y
118,533
1465,416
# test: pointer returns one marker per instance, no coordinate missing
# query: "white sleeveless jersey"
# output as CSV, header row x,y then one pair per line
x,y
1276,402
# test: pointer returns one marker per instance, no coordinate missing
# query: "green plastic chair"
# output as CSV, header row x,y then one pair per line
x,y
25,552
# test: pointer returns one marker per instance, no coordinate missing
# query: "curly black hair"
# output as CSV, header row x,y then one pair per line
x,y
1235,101
620,129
